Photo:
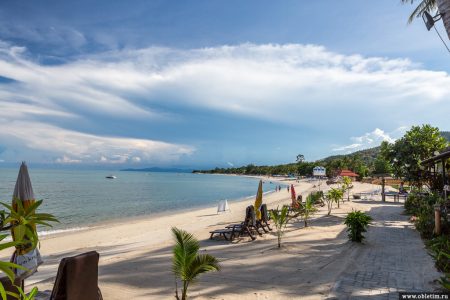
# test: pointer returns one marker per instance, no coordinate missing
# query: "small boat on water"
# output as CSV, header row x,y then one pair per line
x,y
111,177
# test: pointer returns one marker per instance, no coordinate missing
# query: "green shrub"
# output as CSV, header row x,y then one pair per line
x,y
439,249
412,204
316,196
357,223
425,220
445,281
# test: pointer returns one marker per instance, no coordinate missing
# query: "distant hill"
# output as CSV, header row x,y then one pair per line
x,y
366,155
156,169
369,155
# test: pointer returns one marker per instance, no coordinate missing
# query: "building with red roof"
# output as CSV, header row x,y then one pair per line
x,y
348,173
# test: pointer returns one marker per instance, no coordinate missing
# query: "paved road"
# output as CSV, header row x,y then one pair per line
x,y
392,259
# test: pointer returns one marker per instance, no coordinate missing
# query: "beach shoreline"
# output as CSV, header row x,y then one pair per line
x,y
123,246
158,214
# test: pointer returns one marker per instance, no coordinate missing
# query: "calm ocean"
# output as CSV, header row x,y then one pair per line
x,y
83,198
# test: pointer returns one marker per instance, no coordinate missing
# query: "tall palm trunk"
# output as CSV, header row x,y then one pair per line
x,y
444,10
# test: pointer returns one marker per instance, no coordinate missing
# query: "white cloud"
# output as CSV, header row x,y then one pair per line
x,y
371,139
302,85
275,82
230,164
348,147
66,146
66,160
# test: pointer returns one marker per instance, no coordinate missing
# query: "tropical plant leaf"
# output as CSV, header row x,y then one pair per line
x,y
187,264
2,291
201,264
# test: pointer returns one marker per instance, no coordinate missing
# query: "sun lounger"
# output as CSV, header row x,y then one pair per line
x,y
249,226
239,229
223,232
77,279
264,222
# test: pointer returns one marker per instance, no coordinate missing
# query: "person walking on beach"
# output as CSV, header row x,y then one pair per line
x,y
288,189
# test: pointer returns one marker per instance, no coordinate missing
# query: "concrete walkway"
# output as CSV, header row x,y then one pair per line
x,y
393,258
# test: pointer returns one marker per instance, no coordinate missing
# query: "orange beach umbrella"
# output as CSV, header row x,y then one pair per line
x,y
258,200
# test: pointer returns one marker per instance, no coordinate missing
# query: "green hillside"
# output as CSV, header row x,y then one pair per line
x,y
362,161
446,135
366,155
369,155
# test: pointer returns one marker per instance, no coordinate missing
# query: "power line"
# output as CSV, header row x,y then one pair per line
x,y
441,38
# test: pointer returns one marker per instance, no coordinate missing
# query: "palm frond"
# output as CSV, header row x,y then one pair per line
x,y
187,264
201,264
423,6
185,250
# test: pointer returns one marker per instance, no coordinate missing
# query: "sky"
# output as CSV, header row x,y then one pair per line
x,y
200,84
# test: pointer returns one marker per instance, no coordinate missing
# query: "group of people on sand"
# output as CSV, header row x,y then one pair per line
x,y
278,188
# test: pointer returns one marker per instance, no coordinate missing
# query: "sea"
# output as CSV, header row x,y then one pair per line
x,y
85,198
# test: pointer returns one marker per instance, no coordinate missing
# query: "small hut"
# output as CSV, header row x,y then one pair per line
x,y
348,173
439,169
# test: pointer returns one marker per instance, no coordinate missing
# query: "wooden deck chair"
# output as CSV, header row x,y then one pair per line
x,y
239,229
264,222
248,227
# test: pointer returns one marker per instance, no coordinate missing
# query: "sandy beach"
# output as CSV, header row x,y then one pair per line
x,y
135,256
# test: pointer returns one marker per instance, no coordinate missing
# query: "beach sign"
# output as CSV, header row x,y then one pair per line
x,y
319,171
223,206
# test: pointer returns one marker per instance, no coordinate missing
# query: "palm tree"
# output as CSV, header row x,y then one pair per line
x,y
280,219
333,195
430,6
346,186
309,209
187,262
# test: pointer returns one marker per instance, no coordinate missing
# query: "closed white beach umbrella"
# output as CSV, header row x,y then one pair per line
x,y
25,255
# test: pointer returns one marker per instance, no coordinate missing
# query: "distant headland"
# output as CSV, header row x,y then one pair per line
x,y
156,169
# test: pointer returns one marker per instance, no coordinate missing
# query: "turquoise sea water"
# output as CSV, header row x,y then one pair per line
x,y
83,198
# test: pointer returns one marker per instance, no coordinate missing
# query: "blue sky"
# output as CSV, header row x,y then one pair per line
x,y
212,83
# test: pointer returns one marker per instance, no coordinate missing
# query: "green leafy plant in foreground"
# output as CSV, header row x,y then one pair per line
x,y
357,223
188,264
22,295
439,249
7,267
22,222
280,219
